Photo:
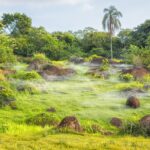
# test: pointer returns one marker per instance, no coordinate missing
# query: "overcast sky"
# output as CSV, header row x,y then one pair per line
x,y
64,15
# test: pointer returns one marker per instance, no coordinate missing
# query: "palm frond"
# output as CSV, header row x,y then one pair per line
x,y
111,20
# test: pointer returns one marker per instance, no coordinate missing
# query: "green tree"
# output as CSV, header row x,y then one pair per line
x,y
111,22
81,33
6,49
16,23
125,37
38,40
95,40
141,34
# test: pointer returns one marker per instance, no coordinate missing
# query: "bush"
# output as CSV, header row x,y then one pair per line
x,y
137,56
27,75
126,77
6,96
43,120
31,75
130,85
40,58
90,58
94,128
13,105
26,60
135,129
30,88
104,68
105,65
6,51
117,60
99,52
99,76
58,63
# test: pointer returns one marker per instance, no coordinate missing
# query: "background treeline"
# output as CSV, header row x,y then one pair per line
x,y
19,37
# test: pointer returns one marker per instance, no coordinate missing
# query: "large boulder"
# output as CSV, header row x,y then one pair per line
x,y
117,122
51,72
133,102
70,122
58,71
137,72
145,122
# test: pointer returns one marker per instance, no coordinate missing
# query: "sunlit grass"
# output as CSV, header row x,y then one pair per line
x,y
91,100
73,142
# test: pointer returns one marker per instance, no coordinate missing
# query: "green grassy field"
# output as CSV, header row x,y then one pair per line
x,y
91,100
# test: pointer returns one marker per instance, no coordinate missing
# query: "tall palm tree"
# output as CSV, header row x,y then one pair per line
x,y
111,23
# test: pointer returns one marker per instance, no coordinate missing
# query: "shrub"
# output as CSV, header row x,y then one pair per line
x,y
58,63
94,128
40,57
105,65
90,58
100,76
28,87
103,68
127,77
134,128
31,75
130,85
13,105
26,60
99,51
6,50
6,96
43,120
137,56
27,75
117,60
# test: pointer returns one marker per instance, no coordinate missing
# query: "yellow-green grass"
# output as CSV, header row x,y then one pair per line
x,y
91,100
72,142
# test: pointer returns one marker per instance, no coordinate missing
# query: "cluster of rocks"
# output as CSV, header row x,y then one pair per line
x,y
144,122
72,123
51,72
137,72
132,102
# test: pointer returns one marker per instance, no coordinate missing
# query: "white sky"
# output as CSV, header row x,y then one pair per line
x,y
64,15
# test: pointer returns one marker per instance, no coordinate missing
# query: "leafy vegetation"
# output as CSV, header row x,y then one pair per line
x,y
33,100
6,96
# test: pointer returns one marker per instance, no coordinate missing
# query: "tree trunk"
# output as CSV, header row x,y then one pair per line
x,y
111,33
111,47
